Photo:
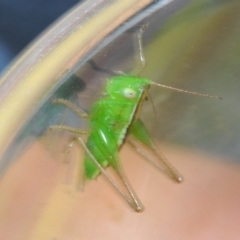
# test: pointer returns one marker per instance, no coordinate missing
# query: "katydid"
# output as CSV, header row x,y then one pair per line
x,y
111,119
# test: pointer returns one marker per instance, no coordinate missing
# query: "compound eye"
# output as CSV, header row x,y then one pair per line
x,y
129,93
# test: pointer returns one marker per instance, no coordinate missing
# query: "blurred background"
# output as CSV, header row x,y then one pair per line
x,y
21,21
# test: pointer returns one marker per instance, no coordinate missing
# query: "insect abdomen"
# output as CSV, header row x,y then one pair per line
x,y
108,127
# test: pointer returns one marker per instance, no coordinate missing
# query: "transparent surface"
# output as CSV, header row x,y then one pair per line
x,y
191,46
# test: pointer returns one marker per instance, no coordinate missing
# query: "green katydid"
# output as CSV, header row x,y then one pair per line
x,y
112,119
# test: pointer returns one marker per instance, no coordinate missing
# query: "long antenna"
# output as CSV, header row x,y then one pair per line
x,y
139,44
184,91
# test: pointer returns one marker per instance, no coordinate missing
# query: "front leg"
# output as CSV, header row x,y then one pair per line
x,y
81,113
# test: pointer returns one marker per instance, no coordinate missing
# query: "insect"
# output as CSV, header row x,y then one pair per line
x,y
112,119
